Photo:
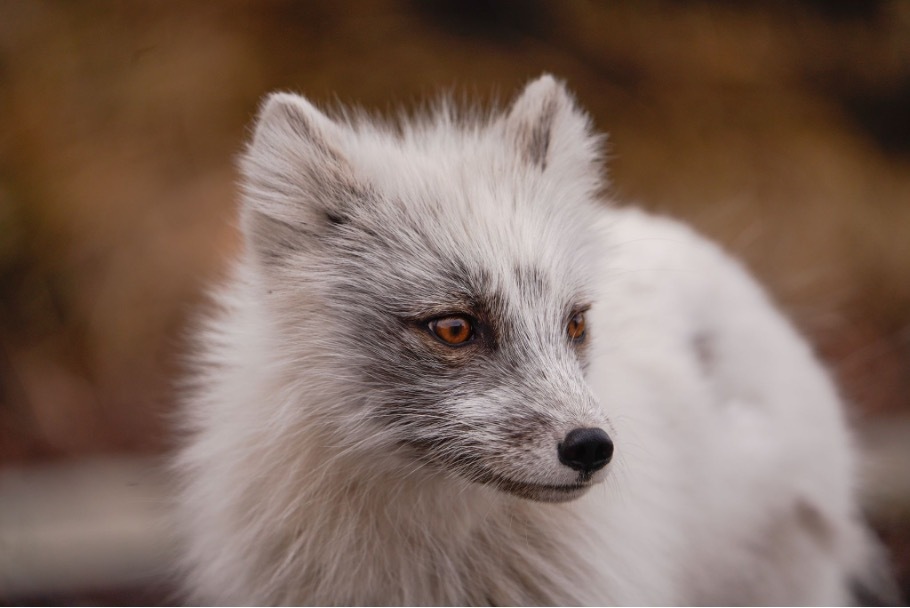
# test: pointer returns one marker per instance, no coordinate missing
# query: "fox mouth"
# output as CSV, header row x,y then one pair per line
x,y
535,491
473,471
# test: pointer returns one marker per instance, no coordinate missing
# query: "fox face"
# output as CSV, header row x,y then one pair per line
x,y
443,267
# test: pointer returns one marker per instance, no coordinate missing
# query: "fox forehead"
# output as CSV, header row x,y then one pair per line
x,y
442,207
414,278
470,208
450,247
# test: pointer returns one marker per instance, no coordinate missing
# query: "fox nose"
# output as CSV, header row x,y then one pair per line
x,y
586,450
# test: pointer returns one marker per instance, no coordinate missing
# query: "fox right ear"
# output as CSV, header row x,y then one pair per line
x,y
296,176
551,132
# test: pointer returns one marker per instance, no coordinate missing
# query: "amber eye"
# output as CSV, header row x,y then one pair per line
x,y
576,327
452,330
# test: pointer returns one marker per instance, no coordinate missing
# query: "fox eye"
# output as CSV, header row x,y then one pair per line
x,y
576,327
454,331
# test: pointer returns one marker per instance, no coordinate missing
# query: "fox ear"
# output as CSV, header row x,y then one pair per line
x,y
549,129
296,176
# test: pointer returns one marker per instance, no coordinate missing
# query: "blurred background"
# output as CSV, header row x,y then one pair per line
x,y
781,129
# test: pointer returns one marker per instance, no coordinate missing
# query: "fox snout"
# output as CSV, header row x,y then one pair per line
x,y
586,450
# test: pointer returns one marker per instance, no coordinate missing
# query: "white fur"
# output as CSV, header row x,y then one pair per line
x,y
733,477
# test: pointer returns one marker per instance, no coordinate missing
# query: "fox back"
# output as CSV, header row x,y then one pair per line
x,y
444,371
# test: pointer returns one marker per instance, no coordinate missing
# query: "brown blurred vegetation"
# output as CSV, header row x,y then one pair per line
x,y
781,129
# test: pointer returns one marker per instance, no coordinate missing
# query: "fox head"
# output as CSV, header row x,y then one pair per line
x,y
428,281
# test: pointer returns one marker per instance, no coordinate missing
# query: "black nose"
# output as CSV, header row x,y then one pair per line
x,y
586,450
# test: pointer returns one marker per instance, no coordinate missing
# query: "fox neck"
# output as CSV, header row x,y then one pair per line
x,y
422,538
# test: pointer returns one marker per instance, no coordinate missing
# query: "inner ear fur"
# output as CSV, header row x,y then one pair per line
x,y
548,130
295,171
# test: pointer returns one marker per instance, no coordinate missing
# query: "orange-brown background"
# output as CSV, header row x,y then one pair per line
x,y
781,129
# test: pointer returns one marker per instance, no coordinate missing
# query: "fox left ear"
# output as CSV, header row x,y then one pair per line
x,y
298,180
549,129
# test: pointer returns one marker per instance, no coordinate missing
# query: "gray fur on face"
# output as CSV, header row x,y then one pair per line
x,y
386,262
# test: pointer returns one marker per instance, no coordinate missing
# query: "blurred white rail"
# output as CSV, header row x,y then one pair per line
x,y
886,471
103,523
88,525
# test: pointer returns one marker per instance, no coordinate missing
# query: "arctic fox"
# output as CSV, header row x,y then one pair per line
x,y
445,371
